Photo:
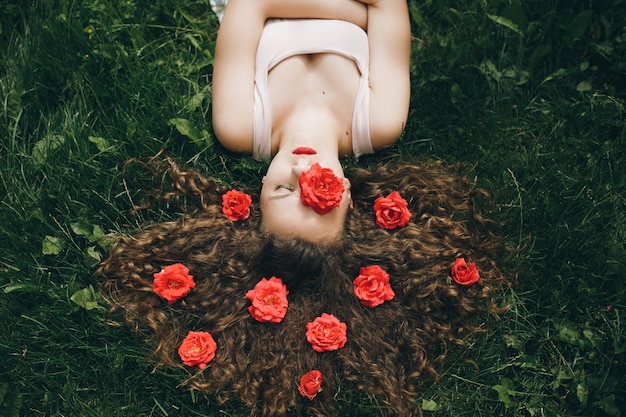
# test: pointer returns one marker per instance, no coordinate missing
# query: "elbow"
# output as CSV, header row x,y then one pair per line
x,y
232,133
234,138
387,130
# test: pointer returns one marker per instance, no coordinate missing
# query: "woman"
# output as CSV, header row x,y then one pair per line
x,y
306,82
371,312
291,294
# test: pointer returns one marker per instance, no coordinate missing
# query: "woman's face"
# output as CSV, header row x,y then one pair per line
x,y
282,210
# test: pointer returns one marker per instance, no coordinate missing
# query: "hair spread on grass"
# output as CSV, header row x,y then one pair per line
x,y
391,349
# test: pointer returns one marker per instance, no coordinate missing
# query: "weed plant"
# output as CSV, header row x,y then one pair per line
x,y
530,94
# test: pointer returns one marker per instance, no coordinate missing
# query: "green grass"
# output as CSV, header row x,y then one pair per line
x,y
529,93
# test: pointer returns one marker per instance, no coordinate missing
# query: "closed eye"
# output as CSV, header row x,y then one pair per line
x,y
283,187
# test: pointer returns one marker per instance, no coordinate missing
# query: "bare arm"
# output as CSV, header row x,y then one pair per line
x,y
235,52
389,34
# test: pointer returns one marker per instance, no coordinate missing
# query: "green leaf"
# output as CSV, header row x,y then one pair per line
x,y
429,405
584,66
569,334
45,147
51,245
86,298
186,128
92,256
582,393
583,87
101,143
514,342
91,232
561,375
456,93
198,99
503,395
14,103
82,228
503,21
560,73
525,361
21,288
504,390
97,232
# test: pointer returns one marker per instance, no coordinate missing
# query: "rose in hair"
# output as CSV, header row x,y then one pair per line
x,y
391,211
320,189
464,274
310,384
197,349
173,282
372,286
326,333
236,205
269,300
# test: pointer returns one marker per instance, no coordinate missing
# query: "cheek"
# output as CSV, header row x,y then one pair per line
x,y
277,215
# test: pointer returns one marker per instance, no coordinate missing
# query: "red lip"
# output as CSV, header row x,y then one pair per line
x,y
303,150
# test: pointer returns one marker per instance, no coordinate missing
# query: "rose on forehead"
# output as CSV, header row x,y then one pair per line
x,y
320,189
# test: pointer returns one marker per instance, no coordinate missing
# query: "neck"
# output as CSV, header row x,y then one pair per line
x,y
312,127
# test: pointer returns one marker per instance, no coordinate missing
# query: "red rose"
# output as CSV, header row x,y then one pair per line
x,y
391,211
326,333
173,282
236,205
464,274
310,384
269,300
197,349
320,189
372,286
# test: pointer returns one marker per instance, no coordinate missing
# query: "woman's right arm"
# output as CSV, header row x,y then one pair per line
x,y
235,53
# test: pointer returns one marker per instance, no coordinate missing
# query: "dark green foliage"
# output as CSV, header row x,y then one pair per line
x,y
529,93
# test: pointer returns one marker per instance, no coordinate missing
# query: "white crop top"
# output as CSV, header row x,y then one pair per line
x,y
282,39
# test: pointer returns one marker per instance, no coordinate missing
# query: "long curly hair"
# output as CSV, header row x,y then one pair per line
x,y
391,349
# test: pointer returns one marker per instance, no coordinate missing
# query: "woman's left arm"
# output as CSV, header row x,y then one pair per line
x,y
389,33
